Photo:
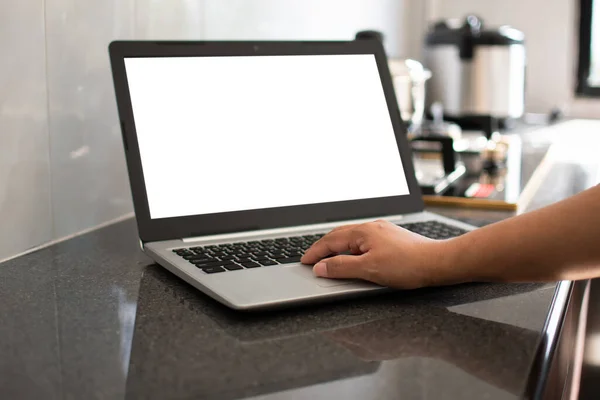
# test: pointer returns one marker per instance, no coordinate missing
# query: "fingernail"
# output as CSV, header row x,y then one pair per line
x,y
320,269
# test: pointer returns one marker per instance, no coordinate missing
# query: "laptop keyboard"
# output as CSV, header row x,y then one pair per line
x,y
288,250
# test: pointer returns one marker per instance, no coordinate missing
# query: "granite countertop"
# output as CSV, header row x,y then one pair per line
x,y
94,318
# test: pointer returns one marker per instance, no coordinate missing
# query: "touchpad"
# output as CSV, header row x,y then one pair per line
x,y
307,272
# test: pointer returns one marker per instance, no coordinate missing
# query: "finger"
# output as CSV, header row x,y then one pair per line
x,y
332,243
343,227
343,267
346,227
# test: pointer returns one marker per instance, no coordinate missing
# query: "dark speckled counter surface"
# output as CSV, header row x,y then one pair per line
x,y
93,318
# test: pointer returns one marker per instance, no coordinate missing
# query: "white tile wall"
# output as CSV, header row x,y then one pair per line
x,y
89,183
62,168
25,216
169,19
305,19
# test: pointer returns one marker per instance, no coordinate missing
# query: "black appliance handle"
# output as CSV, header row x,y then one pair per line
x,y
448,153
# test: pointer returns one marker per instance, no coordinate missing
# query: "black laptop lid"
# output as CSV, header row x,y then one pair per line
x,y
236,136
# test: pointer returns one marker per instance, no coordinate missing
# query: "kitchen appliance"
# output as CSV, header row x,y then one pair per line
x,y
478,73
409,79
435,177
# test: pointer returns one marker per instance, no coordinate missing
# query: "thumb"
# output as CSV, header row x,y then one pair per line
x,y
344,267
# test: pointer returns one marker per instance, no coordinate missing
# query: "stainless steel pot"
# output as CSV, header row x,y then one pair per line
x,y
409,77
477,73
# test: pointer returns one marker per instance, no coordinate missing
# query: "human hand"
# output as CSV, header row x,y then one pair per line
x,y
383,253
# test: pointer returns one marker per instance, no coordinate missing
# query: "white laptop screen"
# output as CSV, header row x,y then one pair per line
x,y
221,134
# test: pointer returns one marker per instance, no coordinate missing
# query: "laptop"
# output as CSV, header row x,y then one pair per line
x,y
242,154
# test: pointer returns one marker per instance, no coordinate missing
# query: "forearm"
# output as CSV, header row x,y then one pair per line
x,y
559,242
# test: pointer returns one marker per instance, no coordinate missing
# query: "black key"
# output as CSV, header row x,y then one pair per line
x,y
227,258
201,260
209,264
198,256
178,250
218,253
197,248
232,267
281,240
192,256
289,260
250,264
267,262
260,258
243,255
254,242
244,259
259,253
296,254
213,270
433,229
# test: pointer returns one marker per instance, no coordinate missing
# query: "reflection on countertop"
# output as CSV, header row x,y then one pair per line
x,y
186,345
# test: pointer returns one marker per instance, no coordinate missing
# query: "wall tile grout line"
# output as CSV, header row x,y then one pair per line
x,y
48,116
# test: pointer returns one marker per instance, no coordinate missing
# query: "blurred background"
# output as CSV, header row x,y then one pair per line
x,y
62,168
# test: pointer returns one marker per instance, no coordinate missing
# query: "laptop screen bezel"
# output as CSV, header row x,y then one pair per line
x,y
249,220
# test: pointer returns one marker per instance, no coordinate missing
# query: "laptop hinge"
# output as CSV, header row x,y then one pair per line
x,y
288,230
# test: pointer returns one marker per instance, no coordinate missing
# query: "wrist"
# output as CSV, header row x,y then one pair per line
x,y
450,262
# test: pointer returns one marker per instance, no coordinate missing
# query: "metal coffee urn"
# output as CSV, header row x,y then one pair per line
x,y
478,74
